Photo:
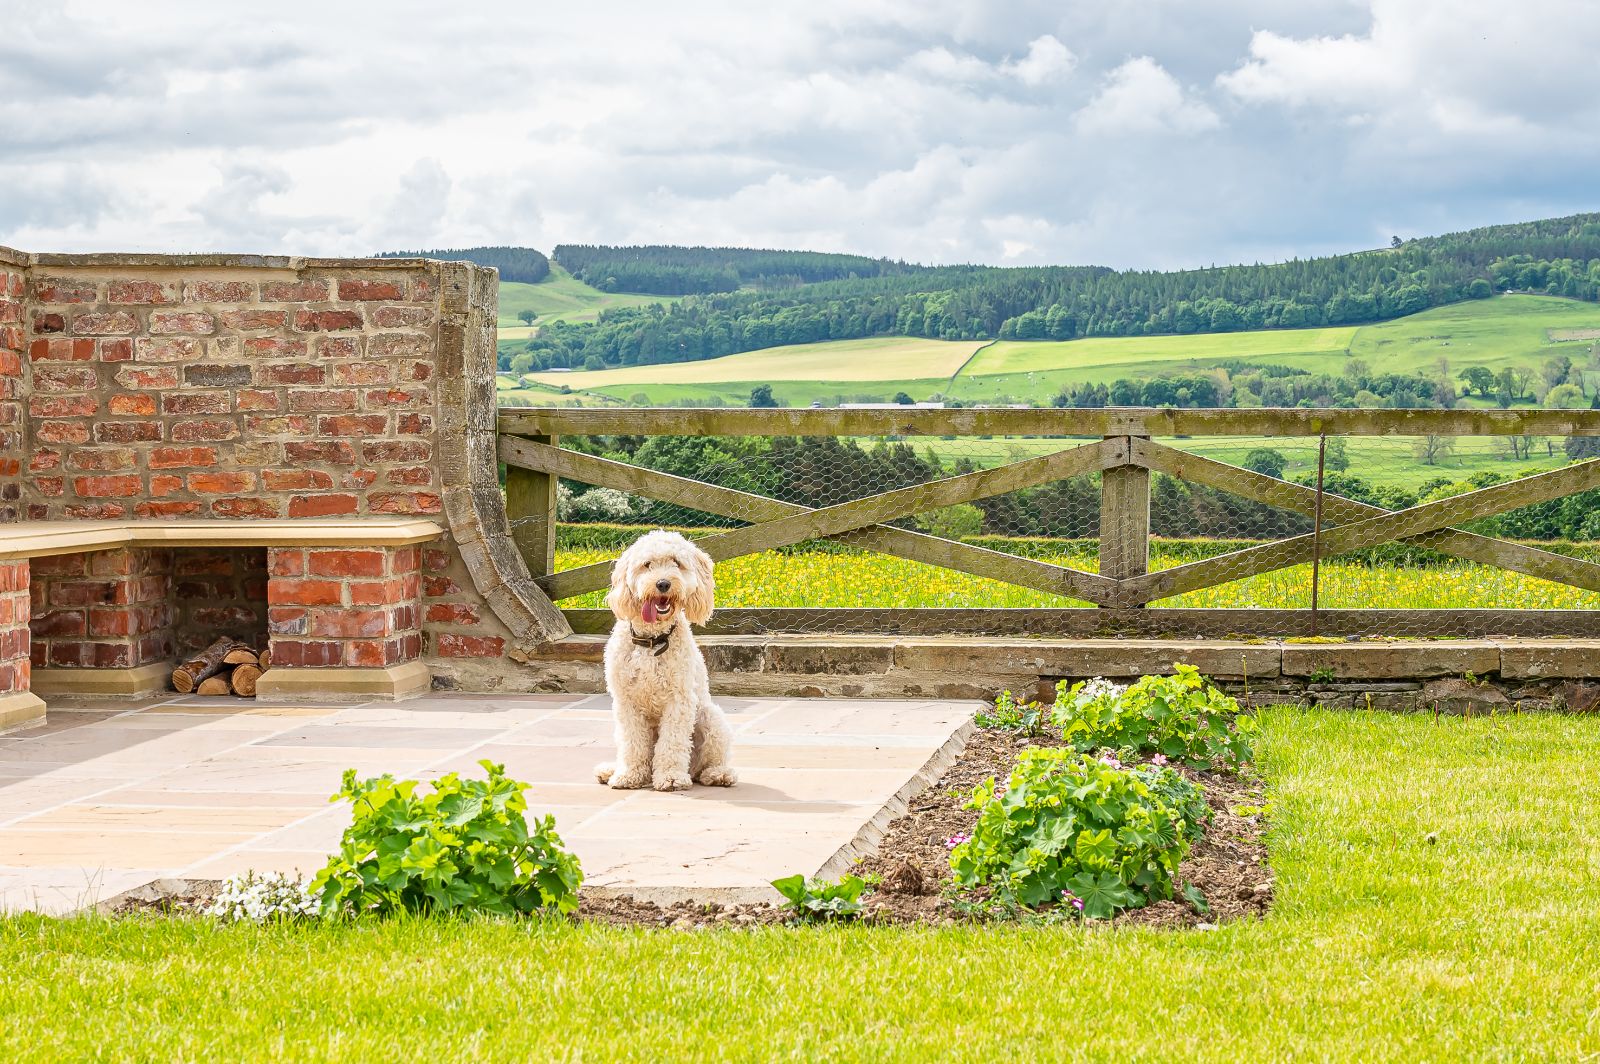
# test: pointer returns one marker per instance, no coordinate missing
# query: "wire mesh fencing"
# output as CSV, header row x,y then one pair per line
x,y
1305,535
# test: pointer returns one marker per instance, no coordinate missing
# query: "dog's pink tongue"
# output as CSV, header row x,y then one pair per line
x,y
649,611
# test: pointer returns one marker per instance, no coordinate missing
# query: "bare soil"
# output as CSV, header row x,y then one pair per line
x,y
1229,864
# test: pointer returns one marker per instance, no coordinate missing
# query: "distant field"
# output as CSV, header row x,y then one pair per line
x,y
873,360
1518,329
560,297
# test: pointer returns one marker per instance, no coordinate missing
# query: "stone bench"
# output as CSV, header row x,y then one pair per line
x,y
86,607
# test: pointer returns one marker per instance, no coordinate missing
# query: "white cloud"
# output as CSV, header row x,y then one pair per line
x,y
1141,97
941,130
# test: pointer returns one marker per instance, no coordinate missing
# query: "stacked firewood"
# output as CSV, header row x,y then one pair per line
x,y
226,667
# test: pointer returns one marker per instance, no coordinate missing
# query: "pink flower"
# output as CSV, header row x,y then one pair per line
x,y
1112,761
955,840
1159,759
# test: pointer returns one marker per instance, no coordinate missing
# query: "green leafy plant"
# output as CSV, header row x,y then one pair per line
x,y
1322,674
465,846
1181,717
819,900
1080,830
1027,718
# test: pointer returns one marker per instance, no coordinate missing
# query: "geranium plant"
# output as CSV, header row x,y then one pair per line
x,y
1181,717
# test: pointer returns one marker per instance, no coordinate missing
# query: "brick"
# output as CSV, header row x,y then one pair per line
x,y
253,399
63,406
203,430
288,425
131,405
197,403
44,459
182,323
452,645
295,591
302,373
294,291
166,509
404,502
248,320
107,487
53,624
414,424
84,592
363,373
347,562
339,347
127,431
49,323
286,561
242,508
274,347
296,479
452,613
140,292
49,486
164,484
100,511
182,457
100,459
219,292
398,345
170,349
397,451
68,378
314,400
359,290
416,397
207,375
327,320
222,483
301,653
328,452
58,290
321,505
288,620
379,592
359,478
162,377
374,653
350,624
115,323
399,317
116,350
435,560
404,560
439,586
353,425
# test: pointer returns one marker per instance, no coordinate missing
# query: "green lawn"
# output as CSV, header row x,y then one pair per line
x,y
1438,898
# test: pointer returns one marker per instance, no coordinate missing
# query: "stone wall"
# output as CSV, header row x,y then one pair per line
x,y
12,288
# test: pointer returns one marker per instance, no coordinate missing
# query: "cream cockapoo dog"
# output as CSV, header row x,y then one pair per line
x,y
668,730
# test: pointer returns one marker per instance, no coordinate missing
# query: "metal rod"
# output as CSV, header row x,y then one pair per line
x,y
1316,531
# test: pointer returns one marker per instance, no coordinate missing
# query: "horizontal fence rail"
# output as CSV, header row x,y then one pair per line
x,y
1120,473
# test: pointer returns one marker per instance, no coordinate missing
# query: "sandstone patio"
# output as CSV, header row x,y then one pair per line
x,y
110,796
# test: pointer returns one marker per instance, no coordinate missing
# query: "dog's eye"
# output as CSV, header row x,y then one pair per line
x,y
679,564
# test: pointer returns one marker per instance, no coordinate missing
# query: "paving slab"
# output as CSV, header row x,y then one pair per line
x,y
109,796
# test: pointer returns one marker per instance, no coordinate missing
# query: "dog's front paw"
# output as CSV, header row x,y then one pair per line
x,y
629,781
718,776
671,781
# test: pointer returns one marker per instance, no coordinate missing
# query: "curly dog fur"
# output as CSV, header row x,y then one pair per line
x,y
668,730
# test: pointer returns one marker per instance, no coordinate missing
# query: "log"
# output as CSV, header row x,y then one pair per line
x,y
241,655
214,685
186,677
264,659
244,680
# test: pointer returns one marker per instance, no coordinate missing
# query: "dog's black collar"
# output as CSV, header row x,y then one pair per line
x,y
657,641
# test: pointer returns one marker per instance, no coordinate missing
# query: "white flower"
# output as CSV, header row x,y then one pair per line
x,y
261,898
1097,688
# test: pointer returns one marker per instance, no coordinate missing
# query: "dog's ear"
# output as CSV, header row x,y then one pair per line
x,y
698,604
620,598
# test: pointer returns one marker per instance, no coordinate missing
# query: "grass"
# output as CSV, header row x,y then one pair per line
x,y
1437,898
560,297
840,579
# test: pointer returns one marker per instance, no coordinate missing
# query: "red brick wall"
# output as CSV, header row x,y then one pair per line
x,y
219,592
221,392
11,402
108,609
344,606
14,664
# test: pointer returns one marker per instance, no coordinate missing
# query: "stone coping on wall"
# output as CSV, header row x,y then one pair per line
x,y
116,259
42,539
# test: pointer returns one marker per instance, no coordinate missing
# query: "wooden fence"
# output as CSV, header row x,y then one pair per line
x,y
1119,445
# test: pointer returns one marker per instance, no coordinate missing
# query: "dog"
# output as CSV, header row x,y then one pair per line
x,y
668,731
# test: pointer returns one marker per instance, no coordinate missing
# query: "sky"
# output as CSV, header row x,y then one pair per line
x,y
1153,134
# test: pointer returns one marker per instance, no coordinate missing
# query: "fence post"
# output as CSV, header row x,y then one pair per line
x,y
1124,519
531,506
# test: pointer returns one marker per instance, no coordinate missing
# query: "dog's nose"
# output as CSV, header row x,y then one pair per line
x,y
663,585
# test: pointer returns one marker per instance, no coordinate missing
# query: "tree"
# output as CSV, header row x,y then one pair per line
x,y
903,399
1335,459
1565,397
1394,241
1266,461
526,316
1479,377
1431,450
1556,370
761,396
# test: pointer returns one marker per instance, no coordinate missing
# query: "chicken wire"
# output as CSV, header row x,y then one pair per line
x,y
1215,517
